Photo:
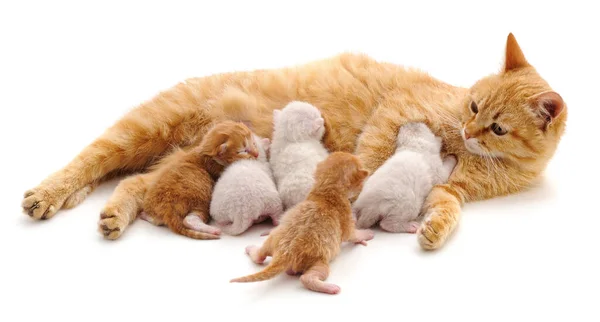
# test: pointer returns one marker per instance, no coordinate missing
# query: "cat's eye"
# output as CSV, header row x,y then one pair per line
x,y
474,107
498,130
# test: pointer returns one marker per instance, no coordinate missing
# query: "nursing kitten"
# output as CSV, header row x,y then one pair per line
x,y
180,197
296,150
311,233
395,193
246,193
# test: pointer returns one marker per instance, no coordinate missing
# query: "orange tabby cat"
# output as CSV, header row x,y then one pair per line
x,y
180,197
310,234
511,137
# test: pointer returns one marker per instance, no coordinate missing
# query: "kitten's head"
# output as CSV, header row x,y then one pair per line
x,y
342,168
418,137
514,114
299,121
230,141
262,145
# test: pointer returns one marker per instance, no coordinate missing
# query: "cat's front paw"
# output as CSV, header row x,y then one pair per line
x,y
111,224
42,202
434,230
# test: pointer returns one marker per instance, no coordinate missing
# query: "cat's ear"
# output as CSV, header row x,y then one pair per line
x,y
247,123
514,57
219,151
266,142
548,106
363,174
222,149
276,114
319,123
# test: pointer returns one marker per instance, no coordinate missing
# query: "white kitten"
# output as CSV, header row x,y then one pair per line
x,y
396,191
296,150
246,193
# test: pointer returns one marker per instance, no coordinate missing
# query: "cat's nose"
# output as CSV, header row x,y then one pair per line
x,y
467,135
254,153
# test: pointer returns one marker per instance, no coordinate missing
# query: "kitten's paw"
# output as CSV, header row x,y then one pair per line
x,y
411,227
111,224
41,203
433,231
253,252
144,216
265,233
78,196
363,235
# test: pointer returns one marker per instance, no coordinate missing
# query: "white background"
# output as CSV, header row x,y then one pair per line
x,y
69,70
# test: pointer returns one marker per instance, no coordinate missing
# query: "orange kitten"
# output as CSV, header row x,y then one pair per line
x,y
180,198
311,233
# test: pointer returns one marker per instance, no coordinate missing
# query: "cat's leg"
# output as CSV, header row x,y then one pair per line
x,y
443,206
124,205
443,212
195,221
314,279
150,219
443,173
377,142
266,233
78,196
395,224
366,219
259,254
276,211
171,118
361,236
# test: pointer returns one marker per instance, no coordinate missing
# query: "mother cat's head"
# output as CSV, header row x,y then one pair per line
x,y
513,115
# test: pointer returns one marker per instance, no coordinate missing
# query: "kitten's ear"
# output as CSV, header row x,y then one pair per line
x,y
320,122
218,153
220,150
548,106
266,143
363,173
514,55
276,114
247,123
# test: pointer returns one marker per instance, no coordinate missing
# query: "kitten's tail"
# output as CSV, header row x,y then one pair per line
x,y
240,225
178,226
275,267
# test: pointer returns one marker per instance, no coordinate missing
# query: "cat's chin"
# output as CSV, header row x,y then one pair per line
x,y
473,147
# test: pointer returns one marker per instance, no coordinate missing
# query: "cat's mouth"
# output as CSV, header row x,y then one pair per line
x,y
471,144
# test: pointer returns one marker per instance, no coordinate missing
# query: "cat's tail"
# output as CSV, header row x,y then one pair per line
x,y
238,226
193,227
275,267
